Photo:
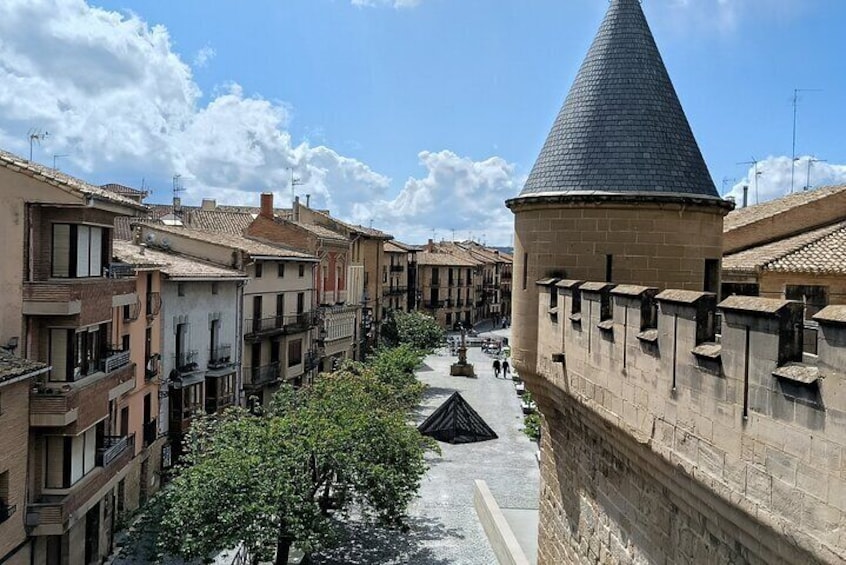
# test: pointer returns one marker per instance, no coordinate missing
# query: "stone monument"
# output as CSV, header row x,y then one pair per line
x,y
462,368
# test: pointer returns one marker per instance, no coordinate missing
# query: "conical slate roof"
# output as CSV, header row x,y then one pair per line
x,y
455,421
622,128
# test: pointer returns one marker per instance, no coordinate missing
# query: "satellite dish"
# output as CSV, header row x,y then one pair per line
x,y
150,237
166,243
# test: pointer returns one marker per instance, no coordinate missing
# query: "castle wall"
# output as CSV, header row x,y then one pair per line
x,y
662,244
668,439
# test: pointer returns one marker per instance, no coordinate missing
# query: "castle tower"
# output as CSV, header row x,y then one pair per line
x,y
620,191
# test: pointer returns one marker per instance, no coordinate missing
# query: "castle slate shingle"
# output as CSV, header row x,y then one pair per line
x,y
622,128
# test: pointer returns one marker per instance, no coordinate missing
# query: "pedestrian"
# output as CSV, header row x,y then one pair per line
x,y
496,367
505,367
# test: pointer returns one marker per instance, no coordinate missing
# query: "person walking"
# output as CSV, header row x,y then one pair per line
x,y
505,368
496,367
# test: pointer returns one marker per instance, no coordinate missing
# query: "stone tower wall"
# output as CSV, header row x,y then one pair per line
x,y
654,243
672,435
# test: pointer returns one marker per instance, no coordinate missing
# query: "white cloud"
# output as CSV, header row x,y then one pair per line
x,y
722,15
394,3
457,193
117,99
774,179
204,56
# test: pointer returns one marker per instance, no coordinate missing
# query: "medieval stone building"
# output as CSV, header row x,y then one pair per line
x,y
675,431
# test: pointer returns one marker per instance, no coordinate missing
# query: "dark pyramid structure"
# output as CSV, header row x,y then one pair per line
x,y
622,128
455,421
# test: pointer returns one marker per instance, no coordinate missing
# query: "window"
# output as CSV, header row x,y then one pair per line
x,y
258,269
300,302
449,277
280,270
78,251
69,458
609,268
712,275
525,271
814,297
215,288
76,354
4,496
435,276
449,320
280,306
469,276
180,289
302,271
295,352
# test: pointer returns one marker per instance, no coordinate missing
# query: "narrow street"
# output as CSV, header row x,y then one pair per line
x,y
444,528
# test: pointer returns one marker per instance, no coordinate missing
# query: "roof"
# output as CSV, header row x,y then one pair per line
x,y
355,228
171,264
392,247
744,216
819,251
245,244
319,231
12,367
56,178
444,258
622,129
122,189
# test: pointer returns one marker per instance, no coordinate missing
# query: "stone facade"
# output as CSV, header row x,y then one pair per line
x,y
669,440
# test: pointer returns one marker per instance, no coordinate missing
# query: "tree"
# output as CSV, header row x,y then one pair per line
x,y
412,328
394,367
275,478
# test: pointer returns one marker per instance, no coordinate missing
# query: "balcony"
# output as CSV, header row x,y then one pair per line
x,y
80,403
111,449
152,367
264,375
120,270
115,359
220,357
186,362
257,328
395,291
214,405
50,515
397,268
71,297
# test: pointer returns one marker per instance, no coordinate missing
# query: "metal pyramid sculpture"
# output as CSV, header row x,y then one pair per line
x,y
622,128
455,421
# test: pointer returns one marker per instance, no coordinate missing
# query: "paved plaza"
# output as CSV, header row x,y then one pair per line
x,y
444,528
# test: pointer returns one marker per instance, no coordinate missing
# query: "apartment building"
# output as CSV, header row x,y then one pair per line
x,y
336,282
279,324
60,297
17,376
396,274
448,283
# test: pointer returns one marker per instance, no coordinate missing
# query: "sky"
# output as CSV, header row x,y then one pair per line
x,y
418,117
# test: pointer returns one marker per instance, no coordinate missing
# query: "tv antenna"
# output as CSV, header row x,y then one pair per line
x,y
36,136
55,159
811,161
295,181
727,181
796,92
758,173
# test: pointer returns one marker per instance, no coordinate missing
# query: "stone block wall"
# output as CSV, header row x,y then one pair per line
x,y
670,438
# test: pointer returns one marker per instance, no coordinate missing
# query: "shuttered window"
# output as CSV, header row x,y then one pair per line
x,y
95,260
61,250
83,250
60,354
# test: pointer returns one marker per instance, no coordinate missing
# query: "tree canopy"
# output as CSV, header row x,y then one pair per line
x,y
412,328
274,478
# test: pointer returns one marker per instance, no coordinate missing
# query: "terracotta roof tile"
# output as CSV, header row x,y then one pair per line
x,y
56,178
12,366
446,259
744,216
822,250
171,264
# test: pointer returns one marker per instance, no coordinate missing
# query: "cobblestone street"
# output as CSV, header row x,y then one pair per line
x,y
444,528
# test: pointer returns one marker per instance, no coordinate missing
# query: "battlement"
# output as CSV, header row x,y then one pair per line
x,y
740,395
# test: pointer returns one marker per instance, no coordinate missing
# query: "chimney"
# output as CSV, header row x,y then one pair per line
x,y
308,200
296,210
430,247
266,205
745,195
209,204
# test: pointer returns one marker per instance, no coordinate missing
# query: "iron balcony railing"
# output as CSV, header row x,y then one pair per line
x,y
264,374
397,268
111,449
120,270
186,361
216,404
280,324
115,359
220,356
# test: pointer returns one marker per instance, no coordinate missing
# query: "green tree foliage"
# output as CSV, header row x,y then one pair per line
x,y
394,367
412,328
274,479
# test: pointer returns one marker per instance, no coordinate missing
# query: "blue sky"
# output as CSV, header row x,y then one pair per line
x,y
420,116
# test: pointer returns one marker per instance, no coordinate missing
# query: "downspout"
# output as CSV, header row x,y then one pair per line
x,y
239,317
